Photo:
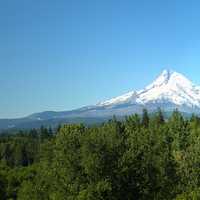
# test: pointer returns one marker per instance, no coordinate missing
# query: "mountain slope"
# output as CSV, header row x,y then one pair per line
x,y
170,86
169,91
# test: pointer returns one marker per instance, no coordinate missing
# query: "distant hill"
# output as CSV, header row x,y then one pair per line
x,y
171,90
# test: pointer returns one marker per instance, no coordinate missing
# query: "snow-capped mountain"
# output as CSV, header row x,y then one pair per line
x,y
169,91
169,87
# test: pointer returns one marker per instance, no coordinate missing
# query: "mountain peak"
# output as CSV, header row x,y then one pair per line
x,y
171,90
167,72
169,76
172,87
164,77
169,86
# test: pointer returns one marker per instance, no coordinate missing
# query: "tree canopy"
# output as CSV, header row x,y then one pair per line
x,y
138,158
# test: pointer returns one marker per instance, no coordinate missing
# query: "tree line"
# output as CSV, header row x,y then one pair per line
x,y
139,158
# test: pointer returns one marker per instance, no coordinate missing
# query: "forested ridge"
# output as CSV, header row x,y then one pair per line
x,y
140,158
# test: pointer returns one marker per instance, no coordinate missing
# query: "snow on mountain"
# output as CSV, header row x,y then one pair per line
x,y
169,91
170,86
118,100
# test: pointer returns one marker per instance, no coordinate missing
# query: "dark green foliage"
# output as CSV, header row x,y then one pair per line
x,y
145,118
138,158
159,117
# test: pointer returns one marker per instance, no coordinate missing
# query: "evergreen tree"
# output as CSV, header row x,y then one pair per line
x,y
136,158
145,118
159,117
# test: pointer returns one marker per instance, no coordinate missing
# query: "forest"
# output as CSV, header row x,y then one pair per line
x,y
143,157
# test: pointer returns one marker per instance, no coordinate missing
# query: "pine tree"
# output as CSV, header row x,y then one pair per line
x,y
145,118
159,117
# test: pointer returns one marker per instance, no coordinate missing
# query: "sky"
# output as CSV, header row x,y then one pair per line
x,y
62,55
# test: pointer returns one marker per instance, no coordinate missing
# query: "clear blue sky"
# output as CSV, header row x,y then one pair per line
x,y
60,55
